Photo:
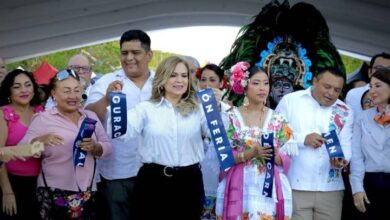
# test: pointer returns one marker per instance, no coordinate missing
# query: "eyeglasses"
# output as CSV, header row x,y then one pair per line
x,y
80,68
64,74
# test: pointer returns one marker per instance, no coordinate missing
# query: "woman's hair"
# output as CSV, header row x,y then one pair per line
x,y
188,102
214,68
362,99
5,89
54,80
383,75
255,69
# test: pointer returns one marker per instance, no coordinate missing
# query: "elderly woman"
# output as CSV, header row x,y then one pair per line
x,y
172,125
66,184
19,100
370,164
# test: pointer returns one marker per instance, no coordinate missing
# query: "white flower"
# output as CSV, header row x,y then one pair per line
x,y
244,83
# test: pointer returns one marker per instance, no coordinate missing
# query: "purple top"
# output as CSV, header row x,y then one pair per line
x,y
57,161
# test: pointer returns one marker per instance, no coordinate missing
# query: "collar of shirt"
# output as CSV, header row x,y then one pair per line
x,y
121,74
165,102
308,93
55,111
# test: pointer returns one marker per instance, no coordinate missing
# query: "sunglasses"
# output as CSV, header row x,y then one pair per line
x,y
64,74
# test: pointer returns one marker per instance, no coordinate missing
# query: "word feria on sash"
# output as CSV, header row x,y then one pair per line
x,y
267,140
118,114
332,145
217,129
86,130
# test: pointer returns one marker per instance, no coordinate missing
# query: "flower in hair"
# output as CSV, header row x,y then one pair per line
x,y
239,77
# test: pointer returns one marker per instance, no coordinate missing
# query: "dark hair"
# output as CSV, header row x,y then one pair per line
x,y
334,71
383,55
136,35
214,68
383,75
362,98
255,69
5,89
53,81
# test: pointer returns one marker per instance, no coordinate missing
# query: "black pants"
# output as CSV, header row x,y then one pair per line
x,y
178,192
377,187
24,188
115,199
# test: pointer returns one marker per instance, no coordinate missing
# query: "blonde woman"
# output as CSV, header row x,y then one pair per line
x,y
171,125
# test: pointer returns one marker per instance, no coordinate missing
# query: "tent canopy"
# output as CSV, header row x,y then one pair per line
x,y
35,27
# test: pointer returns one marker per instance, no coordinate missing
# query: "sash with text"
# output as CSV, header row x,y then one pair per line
x,y
332,145
86,130
267,140
217,129
118,114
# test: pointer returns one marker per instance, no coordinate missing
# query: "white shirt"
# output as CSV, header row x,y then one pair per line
x,y
309,170
371,149
169,138
124,162
354,97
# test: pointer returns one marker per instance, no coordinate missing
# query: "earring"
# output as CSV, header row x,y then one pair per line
x,y
9,100
246,101
160,91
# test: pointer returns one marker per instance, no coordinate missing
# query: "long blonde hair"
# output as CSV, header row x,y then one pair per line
x,y
189,101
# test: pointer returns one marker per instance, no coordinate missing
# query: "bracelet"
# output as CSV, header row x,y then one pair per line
x,y
242,156
8,194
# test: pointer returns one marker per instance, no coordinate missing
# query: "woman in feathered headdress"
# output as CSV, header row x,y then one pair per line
x,y
290,43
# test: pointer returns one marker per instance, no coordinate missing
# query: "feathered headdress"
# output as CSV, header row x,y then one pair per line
x,y
290,43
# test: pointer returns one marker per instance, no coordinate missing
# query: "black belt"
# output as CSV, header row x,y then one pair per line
x,y
377,174
169,171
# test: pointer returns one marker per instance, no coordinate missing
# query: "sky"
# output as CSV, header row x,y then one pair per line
x,y
205,43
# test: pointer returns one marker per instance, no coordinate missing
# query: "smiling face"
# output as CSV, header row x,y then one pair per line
x,y
67,94
379,91
177,83
258,88
22,90
210,79
327,88
134,58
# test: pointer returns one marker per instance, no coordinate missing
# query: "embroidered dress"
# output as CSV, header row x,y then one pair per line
x,y
254,204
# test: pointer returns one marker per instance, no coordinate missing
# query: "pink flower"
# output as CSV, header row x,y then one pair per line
x,y
237,88
239,77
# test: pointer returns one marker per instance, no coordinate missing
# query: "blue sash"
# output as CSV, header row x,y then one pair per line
x,y
86,130
217,129
332,145
118,114
267,140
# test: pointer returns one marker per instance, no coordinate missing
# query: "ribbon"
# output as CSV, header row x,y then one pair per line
x,y
332,145
118,114
267,140
217,129
86,130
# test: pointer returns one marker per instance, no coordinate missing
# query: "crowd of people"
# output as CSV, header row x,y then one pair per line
x,y
163,165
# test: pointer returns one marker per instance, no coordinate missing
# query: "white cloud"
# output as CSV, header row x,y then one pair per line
x,y
206,43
